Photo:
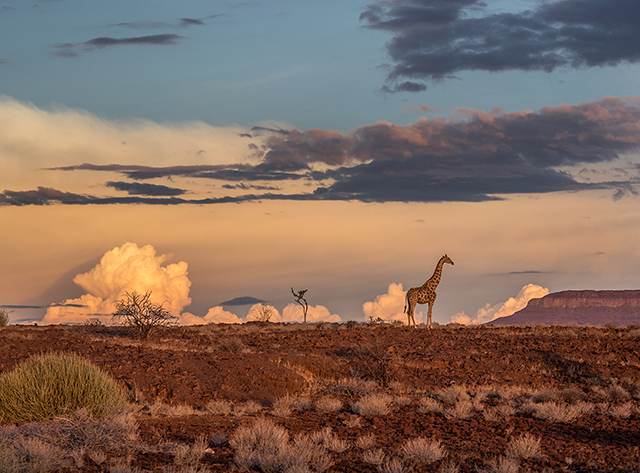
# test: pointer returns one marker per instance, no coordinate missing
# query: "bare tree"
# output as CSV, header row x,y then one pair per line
x,y
302,301
137,311
262,313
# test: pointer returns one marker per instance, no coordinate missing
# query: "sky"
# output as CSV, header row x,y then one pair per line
x,y
209,150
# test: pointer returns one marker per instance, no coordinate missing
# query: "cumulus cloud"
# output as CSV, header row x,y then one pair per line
x,y
215,315
389,306
319,313
434,39
509,307
125,269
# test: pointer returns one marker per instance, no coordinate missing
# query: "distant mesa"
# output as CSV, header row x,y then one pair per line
x,y
579,308
246,300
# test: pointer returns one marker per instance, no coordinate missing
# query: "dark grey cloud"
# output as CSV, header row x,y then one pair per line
x,y
434,39
137,188
474,157
156,39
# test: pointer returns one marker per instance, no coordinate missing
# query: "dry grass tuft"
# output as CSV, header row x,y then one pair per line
x,y
553,412
328,404
422,451
373,405
219,407
525,446
502,465
393,466
366,442
426,405
374,456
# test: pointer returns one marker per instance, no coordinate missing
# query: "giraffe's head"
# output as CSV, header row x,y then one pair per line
x,y
446,259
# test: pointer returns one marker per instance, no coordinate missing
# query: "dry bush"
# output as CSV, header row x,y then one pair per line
x,y
231,345
220,407
373,405
621,411
328,439
51,385
502,465
427,404
393,466
138,312
328,404
366,442
186,455
47,446
249,408
454,394
374,457
499,413
422,451
460,410
617,394
160,409
4,318
376,362
554,412
525,446
353,387
266,446
285,405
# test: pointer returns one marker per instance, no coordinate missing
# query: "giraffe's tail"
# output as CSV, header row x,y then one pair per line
x,y
406,302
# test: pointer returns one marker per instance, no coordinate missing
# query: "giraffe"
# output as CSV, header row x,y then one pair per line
x,y
425,294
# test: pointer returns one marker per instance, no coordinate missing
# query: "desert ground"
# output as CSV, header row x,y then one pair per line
x,y
352,397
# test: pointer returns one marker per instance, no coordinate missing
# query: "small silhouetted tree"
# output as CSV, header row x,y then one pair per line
x,y
262,313
302,301
138,312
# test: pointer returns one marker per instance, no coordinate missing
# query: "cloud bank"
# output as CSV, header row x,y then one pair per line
x,y
435,39
474,156
509,307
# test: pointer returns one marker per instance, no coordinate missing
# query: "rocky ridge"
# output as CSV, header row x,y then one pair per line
x,y
586,307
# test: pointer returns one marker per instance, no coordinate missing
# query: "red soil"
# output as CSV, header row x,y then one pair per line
x,y
263,362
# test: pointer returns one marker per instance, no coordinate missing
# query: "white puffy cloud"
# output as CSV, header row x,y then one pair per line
x,y
319,313
509,307
389,306
126,268
215,315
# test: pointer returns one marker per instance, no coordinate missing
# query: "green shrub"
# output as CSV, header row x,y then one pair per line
x,y
51,385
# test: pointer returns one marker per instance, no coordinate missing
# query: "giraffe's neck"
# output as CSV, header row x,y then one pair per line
x,y
437,274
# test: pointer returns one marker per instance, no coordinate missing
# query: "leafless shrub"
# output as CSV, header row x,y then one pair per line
x,y
373,405
231,345
219,407
261,313
377,362
502,465
427,404
373,457
328,439
185,455
525,446
328,404
145,317
366,442
160,409
23,454
422,451
393,466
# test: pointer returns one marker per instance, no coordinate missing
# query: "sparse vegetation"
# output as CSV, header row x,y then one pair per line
x,y
373,405
525,446
4,318
138,312
52,385
422,451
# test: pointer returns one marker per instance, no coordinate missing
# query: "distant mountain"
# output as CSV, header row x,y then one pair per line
x,y
579,307
246,300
